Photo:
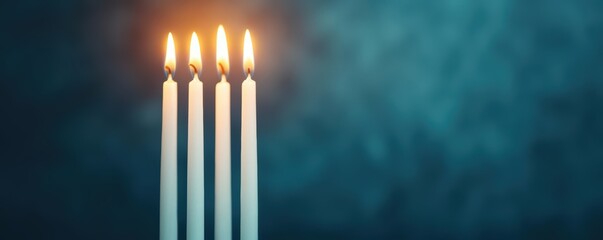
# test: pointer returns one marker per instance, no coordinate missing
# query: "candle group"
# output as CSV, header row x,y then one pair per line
x,y
195,170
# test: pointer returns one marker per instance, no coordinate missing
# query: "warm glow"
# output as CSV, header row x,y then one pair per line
x,y
222,52
170,56
248,63
194,59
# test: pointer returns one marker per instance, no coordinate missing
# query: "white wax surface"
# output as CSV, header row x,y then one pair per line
x,y
168,199
223,201
249,162
195,186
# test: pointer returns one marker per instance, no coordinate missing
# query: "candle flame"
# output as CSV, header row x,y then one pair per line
x,y
248,62
170,56
194,60
222,52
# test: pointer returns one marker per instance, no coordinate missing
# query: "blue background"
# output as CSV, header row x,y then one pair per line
x,y
398,119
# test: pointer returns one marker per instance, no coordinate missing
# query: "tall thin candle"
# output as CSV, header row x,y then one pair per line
x,y
168,189
249,160
223,212
195,196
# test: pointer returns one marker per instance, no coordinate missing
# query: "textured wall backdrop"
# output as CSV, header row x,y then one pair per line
x,y
397,119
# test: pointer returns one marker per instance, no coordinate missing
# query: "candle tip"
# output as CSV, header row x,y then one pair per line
x,y
170,56
248,59
194,61
222,62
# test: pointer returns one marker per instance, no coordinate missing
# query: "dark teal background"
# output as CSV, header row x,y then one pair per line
x,y
394,119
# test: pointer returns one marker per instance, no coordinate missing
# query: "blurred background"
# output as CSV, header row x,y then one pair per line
x,y
397,119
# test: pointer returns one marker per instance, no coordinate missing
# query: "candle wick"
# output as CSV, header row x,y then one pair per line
x,y
169,70
194,69
222,68
248,71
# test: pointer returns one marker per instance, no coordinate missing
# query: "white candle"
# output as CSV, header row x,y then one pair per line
x,y
168,196
195,186
249,160
223,212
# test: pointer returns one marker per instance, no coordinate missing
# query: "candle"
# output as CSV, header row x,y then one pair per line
x,y
223,222
168,192
195,187
249,160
